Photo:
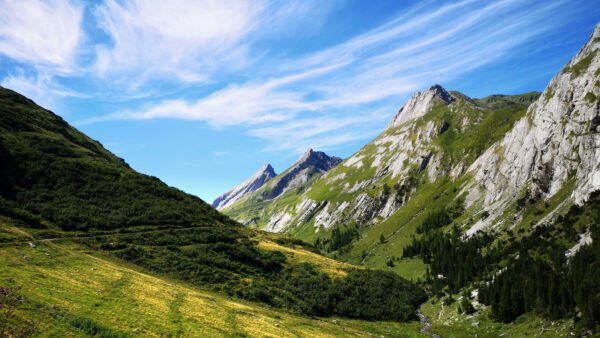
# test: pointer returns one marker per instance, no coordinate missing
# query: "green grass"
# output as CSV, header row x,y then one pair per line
x,y
590,97
92,328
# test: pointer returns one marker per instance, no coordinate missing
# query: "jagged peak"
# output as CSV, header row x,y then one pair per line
x,y
309,163
257,180
441,93
267,167
312,155
420,104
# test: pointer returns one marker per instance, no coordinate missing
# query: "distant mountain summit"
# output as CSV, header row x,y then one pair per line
x,y
262,176
310,163
307,169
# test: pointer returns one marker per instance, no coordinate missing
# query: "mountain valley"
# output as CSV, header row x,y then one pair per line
x,y
464,217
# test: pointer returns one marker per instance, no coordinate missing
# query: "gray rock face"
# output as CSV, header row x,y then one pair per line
x,y
310,163
557,141
262,176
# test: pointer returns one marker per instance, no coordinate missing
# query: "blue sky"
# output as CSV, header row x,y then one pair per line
x,y
202,93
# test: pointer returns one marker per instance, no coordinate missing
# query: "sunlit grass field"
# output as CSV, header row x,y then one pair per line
x,y
62,281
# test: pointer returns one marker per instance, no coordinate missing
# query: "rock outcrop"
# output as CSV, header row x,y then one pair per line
x,y
255,182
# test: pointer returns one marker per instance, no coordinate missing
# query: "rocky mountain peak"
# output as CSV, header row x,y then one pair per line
x,y
420,104
441,93
268,169
319,159
255,182
307,154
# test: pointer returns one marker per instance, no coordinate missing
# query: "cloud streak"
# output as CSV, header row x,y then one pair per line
x,y
47,36
411,51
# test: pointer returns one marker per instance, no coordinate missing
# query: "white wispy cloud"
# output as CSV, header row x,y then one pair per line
x,y
40,86
184,38
43,33
320,132
246,104
189,39
418,48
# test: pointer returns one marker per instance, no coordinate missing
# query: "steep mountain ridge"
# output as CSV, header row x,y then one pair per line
x,y
257,180
310,163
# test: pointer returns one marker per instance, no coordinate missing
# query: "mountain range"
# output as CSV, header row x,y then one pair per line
x,y
482,175
490,151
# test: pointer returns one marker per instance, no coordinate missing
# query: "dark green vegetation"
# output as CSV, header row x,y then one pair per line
x,y
340,239
434,221
368,294
56,182
542,279
453,262
516,274
52,172
226,260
